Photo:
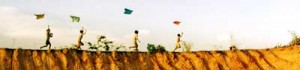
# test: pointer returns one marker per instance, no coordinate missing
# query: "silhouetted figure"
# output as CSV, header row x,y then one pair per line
x,y
136,40
48,35
178,41
80,43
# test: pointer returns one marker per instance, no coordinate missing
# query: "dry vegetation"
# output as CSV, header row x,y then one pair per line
x,y
285,58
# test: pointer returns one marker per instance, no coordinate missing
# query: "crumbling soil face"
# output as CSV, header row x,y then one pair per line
x,y
286,58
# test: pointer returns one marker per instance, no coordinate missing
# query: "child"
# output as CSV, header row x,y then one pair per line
x,y
135,40
48,35
178,41
80,38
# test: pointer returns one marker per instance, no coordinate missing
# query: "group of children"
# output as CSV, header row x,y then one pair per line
x,y
83,32
49,35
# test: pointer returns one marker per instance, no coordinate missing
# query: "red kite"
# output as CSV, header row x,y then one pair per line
x,y
176,22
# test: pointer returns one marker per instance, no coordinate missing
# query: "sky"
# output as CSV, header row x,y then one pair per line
x,y
207,24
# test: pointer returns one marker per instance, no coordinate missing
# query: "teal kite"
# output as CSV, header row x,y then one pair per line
x,y
75,18
127,11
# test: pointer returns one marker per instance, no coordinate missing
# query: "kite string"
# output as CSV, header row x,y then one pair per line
x,y
179,29
81,25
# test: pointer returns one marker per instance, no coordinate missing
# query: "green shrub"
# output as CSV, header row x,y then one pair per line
x,y
187,46
152,48
102,42
160,48
295,39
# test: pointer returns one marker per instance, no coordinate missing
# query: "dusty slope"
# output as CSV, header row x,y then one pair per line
x,y
287,58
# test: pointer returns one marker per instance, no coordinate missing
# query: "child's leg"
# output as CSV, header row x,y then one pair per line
x,y
81,43
49,45
78,45
175,49
132,47
177,46
135,46
46,44
42,46
136,49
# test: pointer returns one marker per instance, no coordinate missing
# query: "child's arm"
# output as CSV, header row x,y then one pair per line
x,y
181,40
48,27
181,34
85,30
139,40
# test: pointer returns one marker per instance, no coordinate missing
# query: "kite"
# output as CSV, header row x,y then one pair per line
x,y
75,18
176,22
127,11
39,16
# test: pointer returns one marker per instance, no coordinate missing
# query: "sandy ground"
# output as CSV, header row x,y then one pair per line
x,y
286,58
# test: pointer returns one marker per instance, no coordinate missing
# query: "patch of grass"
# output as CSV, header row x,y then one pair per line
x,y
187,46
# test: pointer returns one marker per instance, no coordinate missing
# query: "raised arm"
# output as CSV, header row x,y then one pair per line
x,y
85,30
181,34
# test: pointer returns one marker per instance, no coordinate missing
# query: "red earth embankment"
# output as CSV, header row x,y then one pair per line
x,y
287,58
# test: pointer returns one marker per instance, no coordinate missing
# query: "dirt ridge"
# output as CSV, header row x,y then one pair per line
x,y
284,58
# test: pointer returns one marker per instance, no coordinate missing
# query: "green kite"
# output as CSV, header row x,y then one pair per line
x,y
39,16
75,18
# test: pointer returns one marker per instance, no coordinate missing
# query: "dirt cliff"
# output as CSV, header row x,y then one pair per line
x,y
286,58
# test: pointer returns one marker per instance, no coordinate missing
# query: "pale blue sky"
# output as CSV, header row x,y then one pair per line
x,y
255,24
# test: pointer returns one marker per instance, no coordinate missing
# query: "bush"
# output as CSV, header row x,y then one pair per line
x,y
187,46
152,48
102,42
160,48
295,40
